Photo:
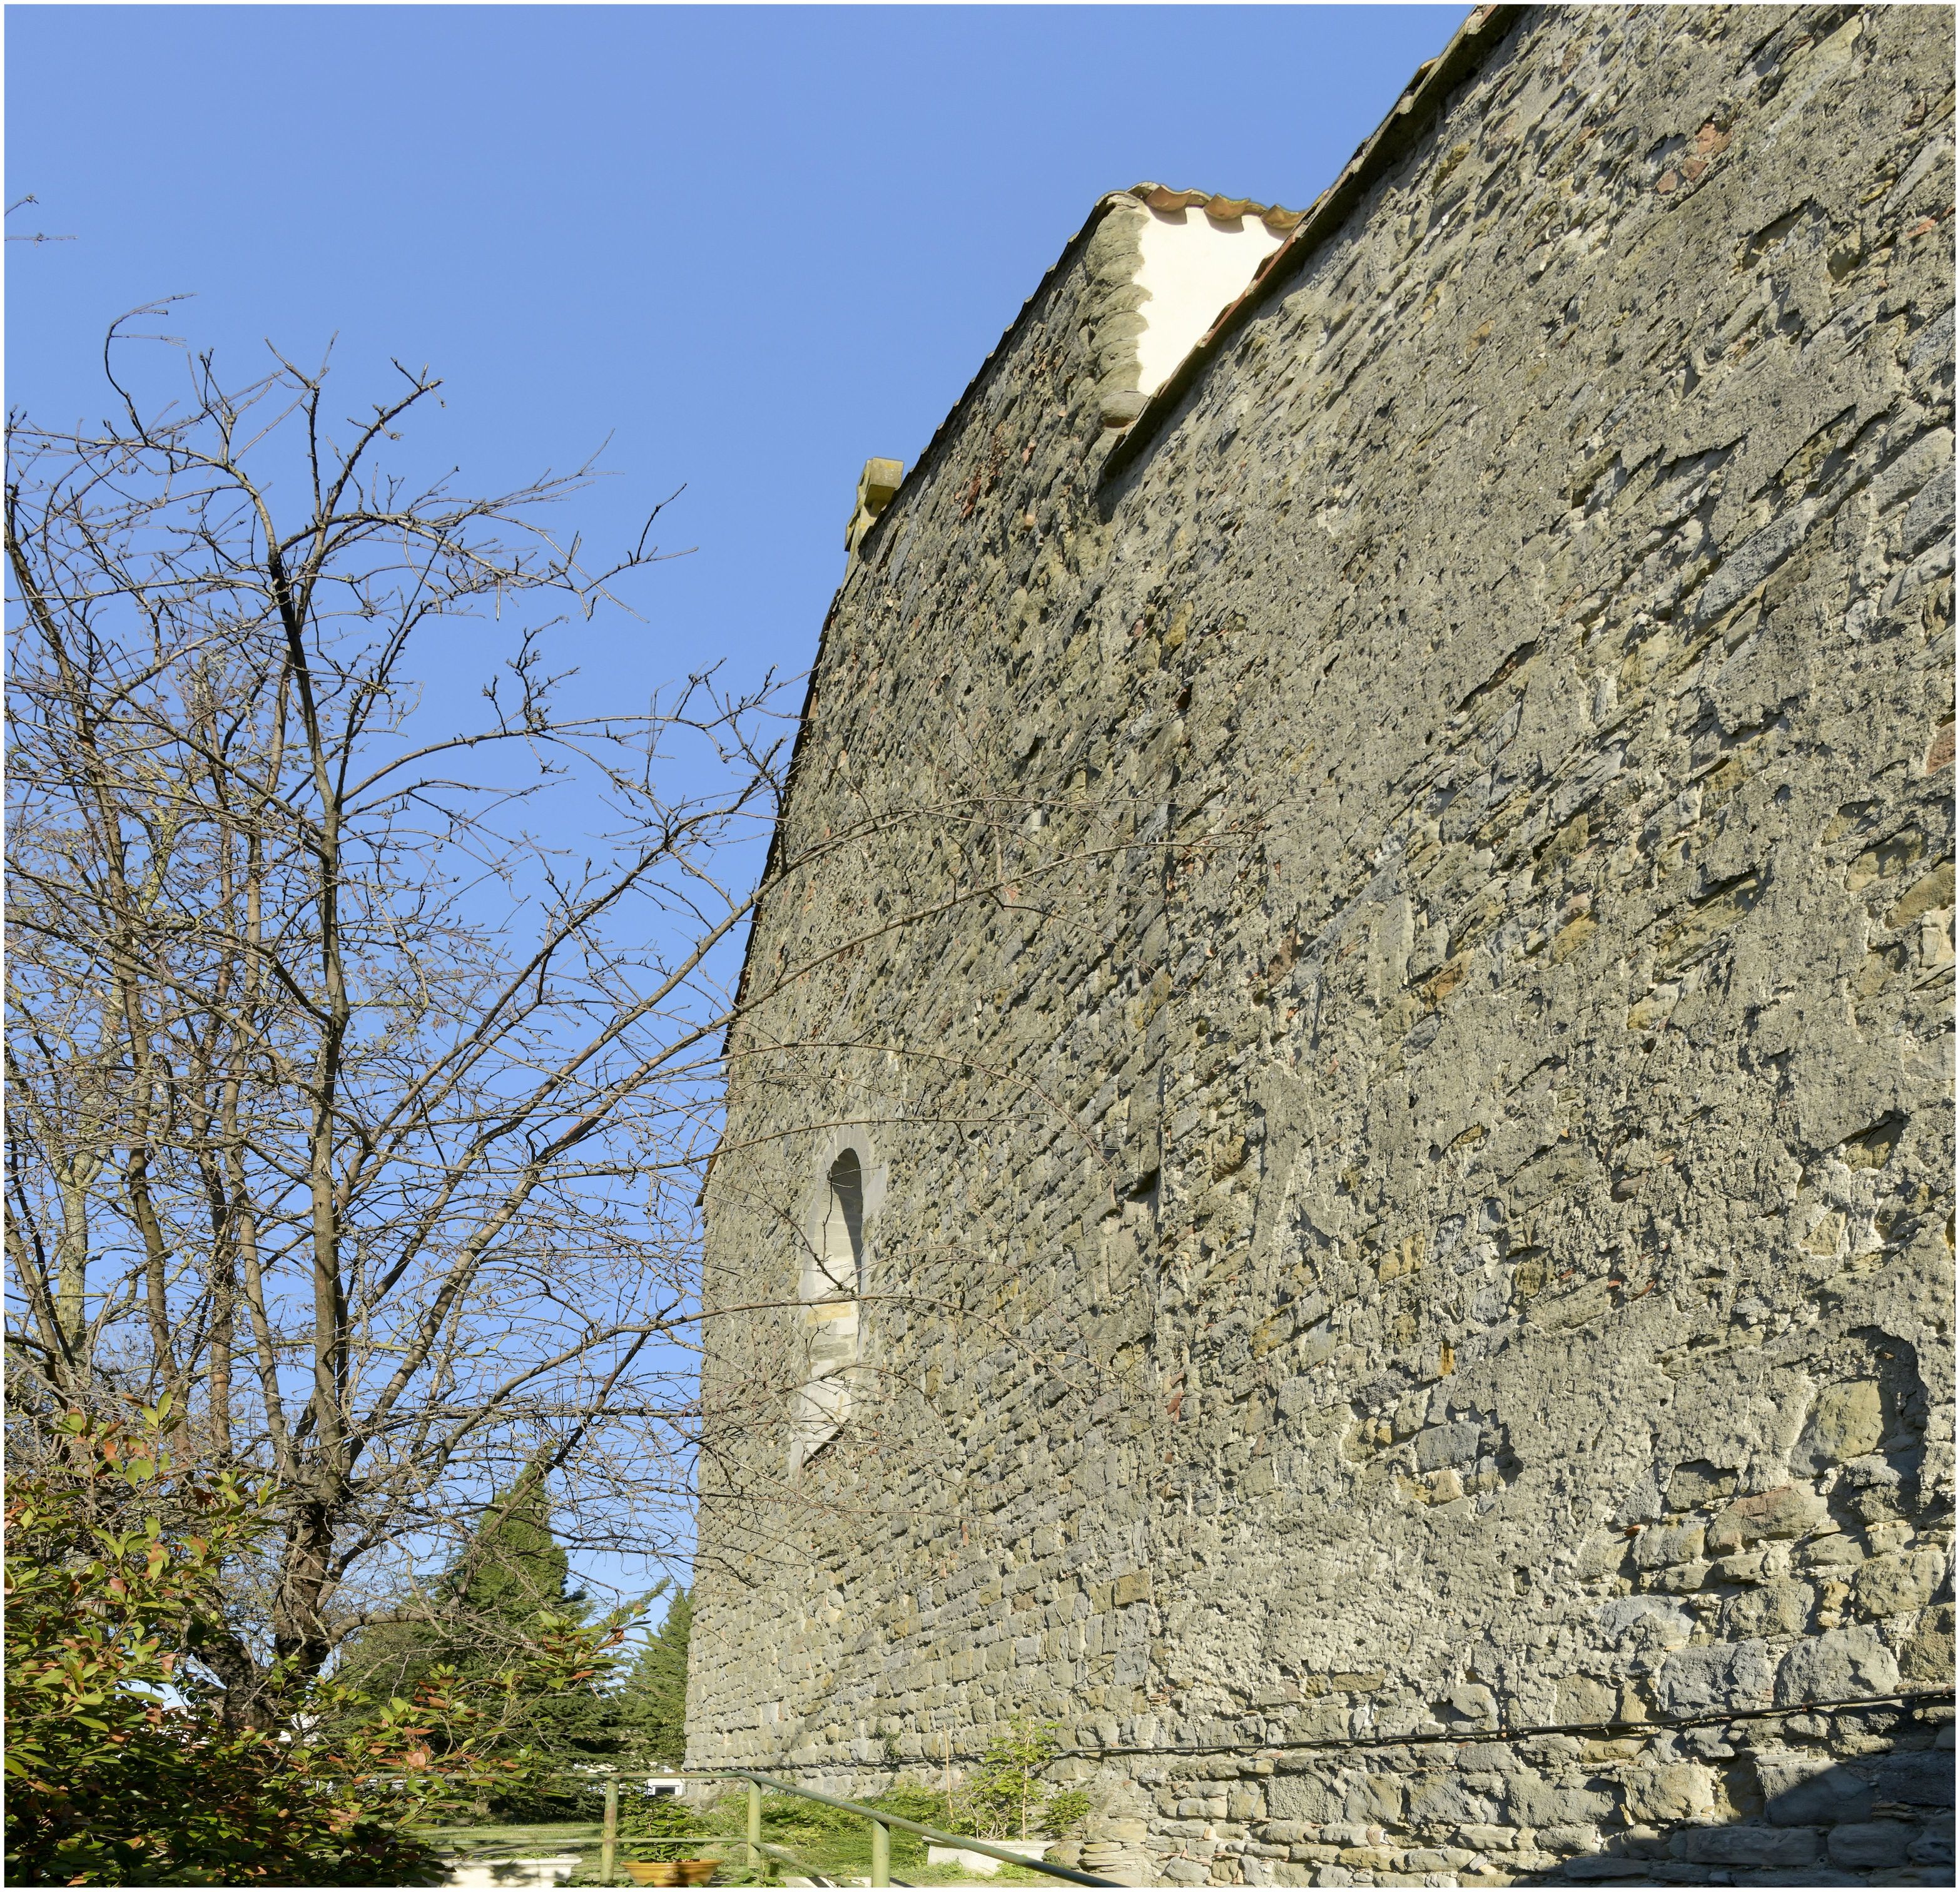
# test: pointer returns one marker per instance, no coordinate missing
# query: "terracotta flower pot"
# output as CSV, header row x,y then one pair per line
x,y
671,1871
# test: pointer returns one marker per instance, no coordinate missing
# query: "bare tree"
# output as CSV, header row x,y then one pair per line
x,y
36,236
350,1110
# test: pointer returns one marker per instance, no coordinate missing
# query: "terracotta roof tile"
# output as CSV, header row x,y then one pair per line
x,y
1220,209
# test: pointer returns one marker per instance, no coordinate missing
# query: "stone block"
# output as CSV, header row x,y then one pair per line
x,y
1922,1780
1781,1608
1787,1511
1840,1665
1845,1422
1440,1445
1749,1845
1659,1796
1833,1554
1873,1847
1372,1797
1645,1623
1903,1580
1535,1802
1713,1676
1369,1859
1440,1800
1580,1699
1312,1799
1802,1790
1926,1658
1660,1545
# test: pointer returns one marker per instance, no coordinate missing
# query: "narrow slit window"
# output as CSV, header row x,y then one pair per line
x,y
832,1285
842,1259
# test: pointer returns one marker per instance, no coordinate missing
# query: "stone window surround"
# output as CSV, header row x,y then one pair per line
x,y
832,1333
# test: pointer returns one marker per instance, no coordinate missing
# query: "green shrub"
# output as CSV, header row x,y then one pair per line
x,y
1007,1796
910,1802
794,1813
121,1768
784,1815
659,1817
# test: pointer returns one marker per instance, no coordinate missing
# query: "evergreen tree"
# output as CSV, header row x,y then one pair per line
x,y
651,1707
515,1570
511,1585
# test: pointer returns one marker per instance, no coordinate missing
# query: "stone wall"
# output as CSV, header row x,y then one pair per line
x,y
1389,952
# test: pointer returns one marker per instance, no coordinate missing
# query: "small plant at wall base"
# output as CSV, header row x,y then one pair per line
x,y
785,1816
928,1805
1007,1797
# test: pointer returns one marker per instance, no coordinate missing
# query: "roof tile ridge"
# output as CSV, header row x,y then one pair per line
x,y
1220,208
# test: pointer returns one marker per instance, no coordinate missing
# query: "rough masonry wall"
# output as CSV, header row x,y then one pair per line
x,y
1392,965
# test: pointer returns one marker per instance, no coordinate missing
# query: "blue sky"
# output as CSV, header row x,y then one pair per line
x,y
753,245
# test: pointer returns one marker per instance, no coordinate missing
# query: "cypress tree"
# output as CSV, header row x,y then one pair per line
x,y
652,1706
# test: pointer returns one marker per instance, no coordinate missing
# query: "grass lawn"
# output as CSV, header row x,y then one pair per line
x,y
848,1855
837,1855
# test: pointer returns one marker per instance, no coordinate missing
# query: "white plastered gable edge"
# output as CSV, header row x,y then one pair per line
x,y
1161,278
832,1337
1194,267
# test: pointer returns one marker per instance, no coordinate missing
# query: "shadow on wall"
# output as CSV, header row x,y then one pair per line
x,y
1858,1795
1887,1820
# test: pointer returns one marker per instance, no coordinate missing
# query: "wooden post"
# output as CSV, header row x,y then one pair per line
x,y
608,1832
881,1853
756,1863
